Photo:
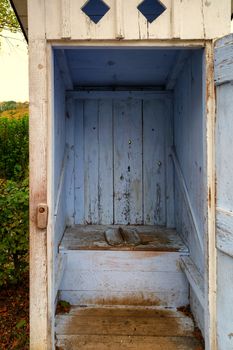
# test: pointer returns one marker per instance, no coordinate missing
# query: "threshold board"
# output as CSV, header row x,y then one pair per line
x,y
125,328
96,237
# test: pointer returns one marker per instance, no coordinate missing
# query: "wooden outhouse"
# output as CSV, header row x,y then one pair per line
x,y
131,176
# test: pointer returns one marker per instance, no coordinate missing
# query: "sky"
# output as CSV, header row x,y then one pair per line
x,y
14,67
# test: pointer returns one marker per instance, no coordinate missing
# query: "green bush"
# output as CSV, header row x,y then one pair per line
x,y
14,211
13,148
13,230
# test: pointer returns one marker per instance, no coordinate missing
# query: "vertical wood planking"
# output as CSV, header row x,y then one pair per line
x,y
154,163
79,163
182,19
120,171
105,185
91,161
128,161
224,193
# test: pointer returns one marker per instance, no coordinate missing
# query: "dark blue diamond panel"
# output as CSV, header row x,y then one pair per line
x,y
95,9
151,9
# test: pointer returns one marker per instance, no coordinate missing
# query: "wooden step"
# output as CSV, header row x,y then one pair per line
x,y
125,328
148,273
124,278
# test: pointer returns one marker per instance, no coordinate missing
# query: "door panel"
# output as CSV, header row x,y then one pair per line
x,y
224,191
120,172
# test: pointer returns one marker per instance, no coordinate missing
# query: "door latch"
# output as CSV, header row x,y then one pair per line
x,y
42,215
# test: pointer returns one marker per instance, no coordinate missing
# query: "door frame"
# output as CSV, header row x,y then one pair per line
x,y
41,189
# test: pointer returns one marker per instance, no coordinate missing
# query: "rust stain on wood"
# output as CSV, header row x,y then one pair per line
x,y
126,328
130,300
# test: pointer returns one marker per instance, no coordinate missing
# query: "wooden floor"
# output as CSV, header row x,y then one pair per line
x,y
134,328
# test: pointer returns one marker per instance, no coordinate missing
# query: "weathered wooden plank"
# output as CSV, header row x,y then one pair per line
x,y
57,165
220,11
191,18
79,163
224,301
142,298
136,326
51,256
224,236
70,179
91,161
153,238
223,60
127,162
186,197
124,261
198,312
210,271
119,19
105,181
224,192
124,155
145,95
182,19
125,311
123,281
191,160
169,182
89,342
38,124
224,142
194,277
154,165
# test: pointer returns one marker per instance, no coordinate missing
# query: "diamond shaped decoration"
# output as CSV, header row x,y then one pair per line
x,y
151,9
95,9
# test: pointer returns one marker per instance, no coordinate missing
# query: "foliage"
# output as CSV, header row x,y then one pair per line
x,y
13,148
14,230
8,19
13,193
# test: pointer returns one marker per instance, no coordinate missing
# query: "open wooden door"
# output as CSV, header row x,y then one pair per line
x,y
224,190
